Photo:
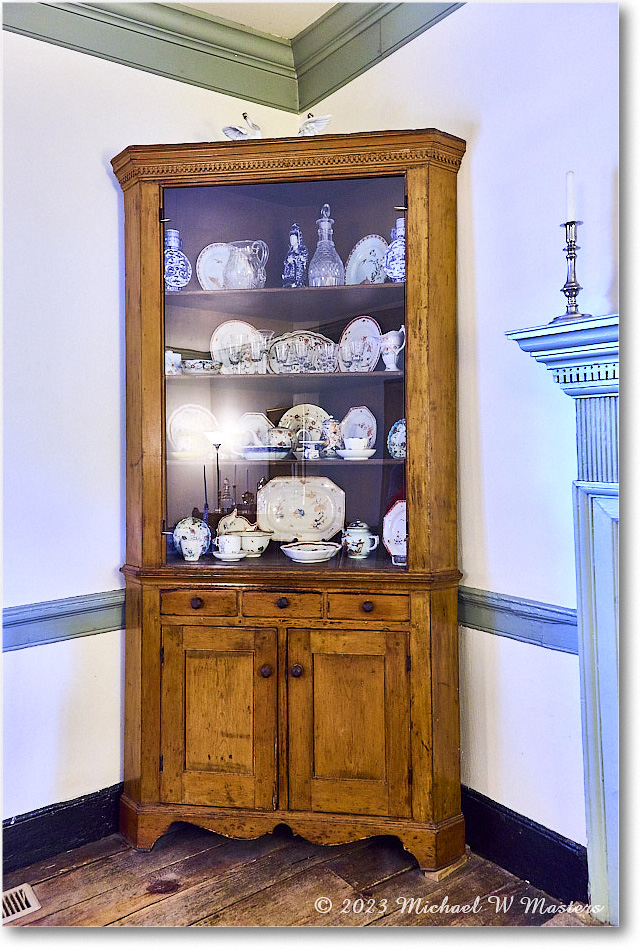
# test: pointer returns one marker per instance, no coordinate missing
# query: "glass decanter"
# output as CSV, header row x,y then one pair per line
x,y
395,260
326,268
177,270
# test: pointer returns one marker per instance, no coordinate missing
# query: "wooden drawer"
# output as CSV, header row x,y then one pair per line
x,y
275,603
204,603
368,606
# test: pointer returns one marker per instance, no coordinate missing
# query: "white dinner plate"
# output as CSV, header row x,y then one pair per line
x,y
365,264
368,330
210,265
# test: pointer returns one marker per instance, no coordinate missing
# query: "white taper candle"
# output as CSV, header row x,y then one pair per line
x,y
570,196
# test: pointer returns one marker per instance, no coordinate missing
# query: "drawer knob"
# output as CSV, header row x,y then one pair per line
x,y
266,671
296,671
196,602
282,602
368,606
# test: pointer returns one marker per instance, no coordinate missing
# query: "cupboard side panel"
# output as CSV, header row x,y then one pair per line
x,y
444,649
150,695
442,379
152,374
132,699
421,737
133,382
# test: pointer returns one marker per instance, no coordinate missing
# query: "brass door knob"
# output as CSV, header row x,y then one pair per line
x,y
296,671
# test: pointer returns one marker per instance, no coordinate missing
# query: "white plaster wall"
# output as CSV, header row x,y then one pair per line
x,y
62,714
66,115
498,75
521,731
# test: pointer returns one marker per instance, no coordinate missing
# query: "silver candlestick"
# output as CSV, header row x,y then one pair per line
x,y
571,288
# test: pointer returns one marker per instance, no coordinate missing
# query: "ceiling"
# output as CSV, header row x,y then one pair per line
x,y
279,19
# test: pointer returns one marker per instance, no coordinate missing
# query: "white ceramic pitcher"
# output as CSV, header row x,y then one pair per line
x,y
392,343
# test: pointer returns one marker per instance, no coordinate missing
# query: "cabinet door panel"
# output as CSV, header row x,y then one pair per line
x,y
349,722
218,717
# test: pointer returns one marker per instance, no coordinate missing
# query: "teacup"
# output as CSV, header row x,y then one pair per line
x,y
227,544
356,445
191,548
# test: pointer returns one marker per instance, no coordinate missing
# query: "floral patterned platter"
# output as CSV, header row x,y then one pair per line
x,y
367,257
185,428
364,329
210,265
300,509
395,532
225,336
397,440
304,416
359,423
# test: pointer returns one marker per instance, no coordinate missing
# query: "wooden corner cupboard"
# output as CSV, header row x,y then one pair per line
x,y
263,691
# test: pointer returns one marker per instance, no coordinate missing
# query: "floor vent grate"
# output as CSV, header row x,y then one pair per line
x,y
18,902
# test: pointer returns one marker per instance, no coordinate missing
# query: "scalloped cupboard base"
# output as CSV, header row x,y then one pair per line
x,y
435,846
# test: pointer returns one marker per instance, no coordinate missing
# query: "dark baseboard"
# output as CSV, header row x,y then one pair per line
x,y
533,853
47,831
521,846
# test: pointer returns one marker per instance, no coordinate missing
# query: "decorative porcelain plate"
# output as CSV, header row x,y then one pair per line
x,y
308,336
185,428
359,423
397,440
311,552
300,509
395,532
233,332
192,529
368,330
305,416
232,523
365,264
258,424
210,265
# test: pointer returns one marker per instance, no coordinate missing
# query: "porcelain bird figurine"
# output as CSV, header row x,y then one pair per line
x,y
312,125
252,131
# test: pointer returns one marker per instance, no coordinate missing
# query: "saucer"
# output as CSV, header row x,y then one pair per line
x,y
352,456
229,557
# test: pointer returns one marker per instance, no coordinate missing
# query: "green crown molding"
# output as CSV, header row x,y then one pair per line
x,y
213,53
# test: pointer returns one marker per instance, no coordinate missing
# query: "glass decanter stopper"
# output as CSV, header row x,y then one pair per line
x,y
177,268
295,263
326,268
395,260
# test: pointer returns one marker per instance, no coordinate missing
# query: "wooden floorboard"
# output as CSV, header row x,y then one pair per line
x,y
195,878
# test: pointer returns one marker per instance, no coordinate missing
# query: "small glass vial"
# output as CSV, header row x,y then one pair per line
x,y
326,268
177,268
395,261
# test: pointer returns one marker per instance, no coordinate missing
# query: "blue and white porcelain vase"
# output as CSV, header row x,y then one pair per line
x,y
177,268
326,267
295,264
395,261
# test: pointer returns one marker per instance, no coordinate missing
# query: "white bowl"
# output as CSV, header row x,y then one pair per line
x,y
265,452
355,455
311,552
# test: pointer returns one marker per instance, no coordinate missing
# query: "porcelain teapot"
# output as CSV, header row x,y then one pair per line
x,y
358,541
392,343
245,267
